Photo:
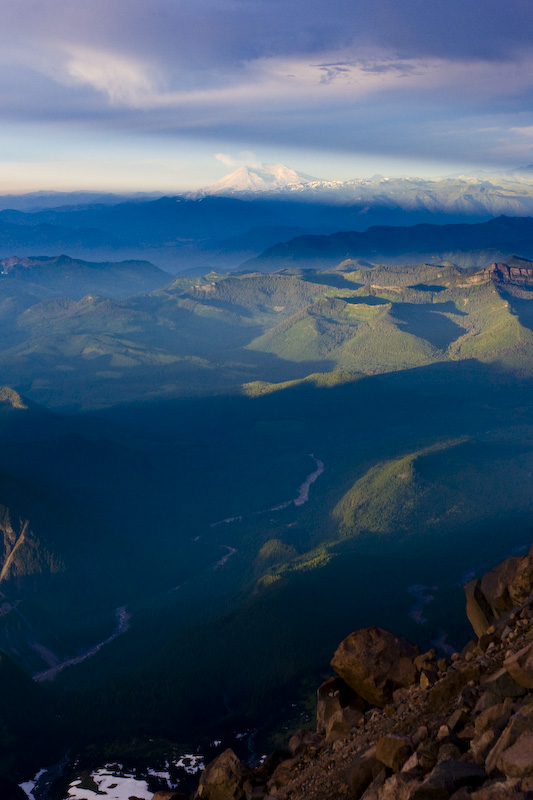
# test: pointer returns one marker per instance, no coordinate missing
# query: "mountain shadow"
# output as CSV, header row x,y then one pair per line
x,y
430,322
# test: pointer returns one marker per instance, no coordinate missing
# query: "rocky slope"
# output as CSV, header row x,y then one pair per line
x,y
399,725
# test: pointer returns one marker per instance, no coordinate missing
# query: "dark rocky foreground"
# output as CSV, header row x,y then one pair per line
x,y
399,725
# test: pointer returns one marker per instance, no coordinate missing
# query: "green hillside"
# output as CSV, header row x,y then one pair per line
x,y
439,489
226,448
58,276
221,332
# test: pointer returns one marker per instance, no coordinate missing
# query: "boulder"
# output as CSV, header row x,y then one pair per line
x,y
508,585
376,787
362,771
478,610
374,663
412,764
448,777
284,773
425,660
420,735
265,770
448,752
401,786
168,794
486,700
400,696
341,723
223,778
494,717
304,743
521,722
333,695
469,695
483,744
428,753
450,686
499,790
503,685
393,751
520,666
517,760
513,579
496,586
458,719
428,678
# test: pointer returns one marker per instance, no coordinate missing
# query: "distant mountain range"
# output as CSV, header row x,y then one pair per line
x,y
483,193
477,243
255,208
38,201
43,277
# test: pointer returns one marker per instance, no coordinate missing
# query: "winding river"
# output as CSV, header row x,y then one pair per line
x,y
123,623
122,616
301,498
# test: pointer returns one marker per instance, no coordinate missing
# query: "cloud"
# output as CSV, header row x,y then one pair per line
x,y
214,33
123,80
244,158
526,130
377,75
331,72
229,161
249,158
364,101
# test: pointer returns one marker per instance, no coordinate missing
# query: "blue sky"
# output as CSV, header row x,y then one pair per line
x,y
171,94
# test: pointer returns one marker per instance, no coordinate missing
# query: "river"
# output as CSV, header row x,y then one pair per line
x,y
301,498
123,623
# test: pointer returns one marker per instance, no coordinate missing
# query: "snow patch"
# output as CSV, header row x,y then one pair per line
x,y
110,786
29,786
191,763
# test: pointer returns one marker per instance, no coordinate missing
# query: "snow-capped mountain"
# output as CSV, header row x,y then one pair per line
x,y
262,178
509,193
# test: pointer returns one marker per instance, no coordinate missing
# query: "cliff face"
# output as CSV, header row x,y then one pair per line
x,y
519,271
399,725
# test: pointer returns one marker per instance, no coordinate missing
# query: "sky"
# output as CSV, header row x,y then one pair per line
x,y
169,95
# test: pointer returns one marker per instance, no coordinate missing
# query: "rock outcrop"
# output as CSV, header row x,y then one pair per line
x,y
223,779
499,591
522,274
374,663
399,725
332,698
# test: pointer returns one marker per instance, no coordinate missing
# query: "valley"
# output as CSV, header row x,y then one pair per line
x,y
266,398
244,467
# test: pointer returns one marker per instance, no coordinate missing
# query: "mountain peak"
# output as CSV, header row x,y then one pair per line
x,y
258,178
